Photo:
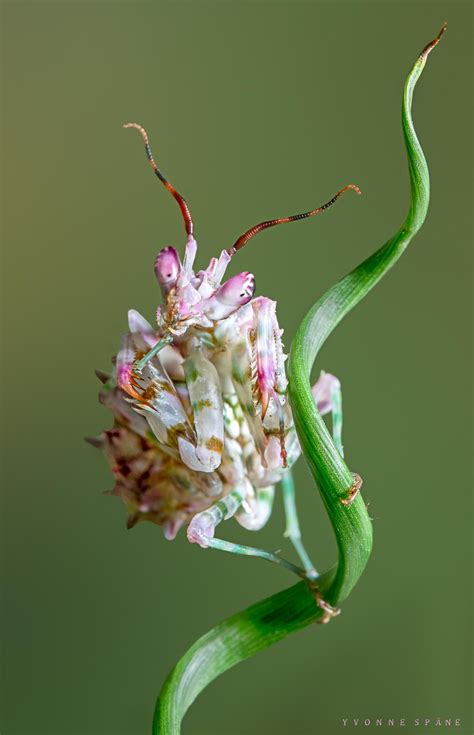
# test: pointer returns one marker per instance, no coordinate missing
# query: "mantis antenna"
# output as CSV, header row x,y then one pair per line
x,y
188,222
243,239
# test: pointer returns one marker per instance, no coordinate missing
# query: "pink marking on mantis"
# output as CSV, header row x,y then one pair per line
x,y
201,533
265,318
124,366
322,392
167,268
237,291
233,294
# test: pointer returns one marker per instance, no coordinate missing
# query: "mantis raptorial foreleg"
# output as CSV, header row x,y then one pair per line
x,y
204,390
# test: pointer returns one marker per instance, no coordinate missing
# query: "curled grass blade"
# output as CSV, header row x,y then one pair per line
x,y
275,617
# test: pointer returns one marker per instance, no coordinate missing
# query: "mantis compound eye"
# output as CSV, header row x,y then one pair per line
x,y
167,267
238,290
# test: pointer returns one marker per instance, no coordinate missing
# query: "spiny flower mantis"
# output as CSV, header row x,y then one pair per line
x,y
203,429
145,447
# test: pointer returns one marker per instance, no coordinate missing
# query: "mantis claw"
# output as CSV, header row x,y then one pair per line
x,y
353,490
329,611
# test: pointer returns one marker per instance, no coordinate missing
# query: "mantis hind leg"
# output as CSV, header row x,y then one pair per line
x,y
328,396
293,531
202,527
229,546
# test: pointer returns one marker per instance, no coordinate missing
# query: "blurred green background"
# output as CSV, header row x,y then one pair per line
x,y
254,109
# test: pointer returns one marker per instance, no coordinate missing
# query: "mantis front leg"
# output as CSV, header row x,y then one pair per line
x,y
205,395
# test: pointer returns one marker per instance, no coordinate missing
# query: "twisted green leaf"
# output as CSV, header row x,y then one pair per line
x,y
275,617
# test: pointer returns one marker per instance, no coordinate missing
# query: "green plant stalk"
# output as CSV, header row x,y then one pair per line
x,y
275,617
